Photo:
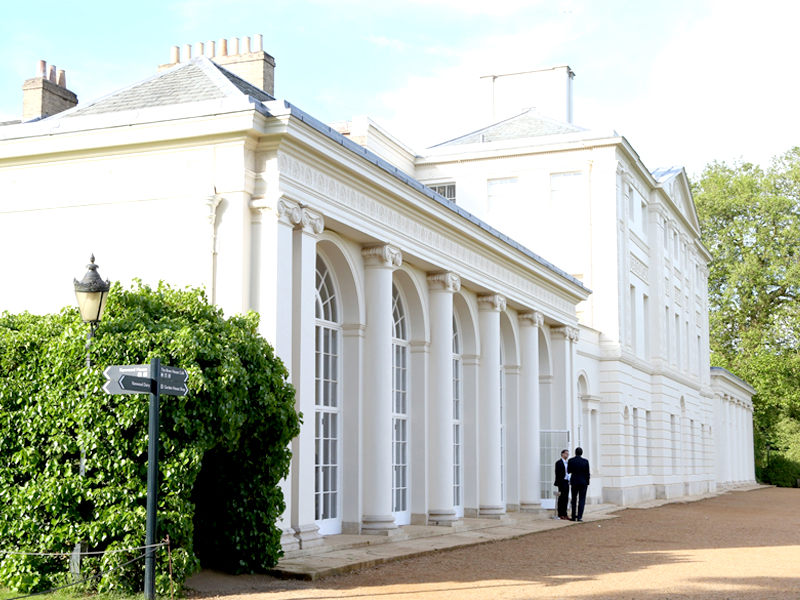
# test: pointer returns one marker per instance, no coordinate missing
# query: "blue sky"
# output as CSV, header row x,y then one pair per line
x,y
686,82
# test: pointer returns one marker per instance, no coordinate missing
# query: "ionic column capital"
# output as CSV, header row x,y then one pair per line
x,y
570,333
298,216
382,255
532,319
494,302
446,282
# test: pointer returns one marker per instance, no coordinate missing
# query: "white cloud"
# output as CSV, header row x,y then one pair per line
x,y
719,90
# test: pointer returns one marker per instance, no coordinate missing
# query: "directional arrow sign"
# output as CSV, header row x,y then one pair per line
x,y
135,379
170,388
173,375
136,385
113,373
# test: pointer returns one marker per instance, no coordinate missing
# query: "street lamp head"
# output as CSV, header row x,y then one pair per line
x,y
92,293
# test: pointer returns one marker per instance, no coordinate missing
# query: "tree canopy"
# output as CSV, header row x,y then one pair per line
x,y
750,219
224,446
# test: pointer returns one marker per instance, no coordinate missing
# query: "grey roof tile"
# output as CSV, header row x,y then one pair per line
x,y
197,80
526,125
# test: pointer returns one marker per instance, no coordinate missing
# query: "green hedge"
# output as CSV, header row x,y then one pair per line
x,y
239,414
781,471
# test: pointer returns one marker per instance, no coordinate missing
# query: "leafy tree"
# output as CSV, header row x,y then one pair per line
x,y
750,219
230,434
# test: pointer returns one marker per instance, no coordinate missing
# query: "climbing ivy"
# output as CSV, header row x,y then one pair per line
x,y
229,435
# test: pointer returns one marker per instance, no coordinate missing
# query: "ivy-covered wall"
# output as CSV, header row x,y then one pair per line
x,y
224,446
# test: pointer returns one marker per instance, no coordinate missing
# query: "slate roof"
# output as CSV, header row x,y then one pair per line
x,y
193,81
526,125
663,174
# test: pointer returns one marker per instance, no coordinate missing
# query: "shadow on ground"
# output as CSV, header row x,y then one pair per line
x,y
635,549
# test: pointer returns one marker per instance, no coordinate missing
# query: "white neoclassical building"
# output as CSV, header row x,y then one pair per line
x,y
440,362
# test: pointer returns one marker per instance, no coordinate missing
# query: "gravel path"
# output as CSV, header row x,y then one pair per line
x,y
738,545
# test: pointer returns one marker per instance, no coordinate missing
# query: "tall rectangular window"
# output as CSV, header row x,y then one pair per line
x,y
678,341
675,442
649,444
631,214
643,210
667,355
634,331
564,187
636,441
646,325
501,190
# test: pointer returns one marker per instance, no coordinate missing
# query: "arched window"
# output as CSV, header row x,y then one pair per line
x,y
458,450
328,411
400,433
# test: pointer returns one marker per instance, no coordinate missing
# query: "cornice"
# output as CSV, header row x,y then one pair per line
x,y
426,237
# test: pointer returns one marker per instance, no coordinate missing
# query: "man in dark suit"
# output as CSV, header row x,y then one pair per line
x,y
578,469
563,485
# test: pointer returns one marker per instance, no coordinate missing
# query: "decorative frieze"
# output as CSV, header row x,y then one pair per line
x,y
638,268
424,236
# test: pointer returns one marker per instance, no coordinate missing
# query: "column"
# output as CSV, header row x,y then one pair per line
x,y
530,488
489,492
728,438
379,262
274,262
308,225
440,398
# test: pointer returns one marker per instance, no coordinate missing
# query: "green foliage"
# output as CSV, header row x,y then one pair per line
x,y
781,471
239,411
750,218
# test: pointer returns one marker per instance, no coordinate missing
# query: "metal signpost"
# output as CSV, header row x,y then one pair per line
x,y
155,380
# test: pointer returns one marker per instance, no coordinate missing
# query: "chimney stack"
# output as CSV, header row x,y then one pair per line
x,y
46,94
252,64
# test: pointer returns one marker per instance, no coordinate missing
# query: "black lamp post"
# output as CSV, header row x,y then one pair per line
x,y
92,293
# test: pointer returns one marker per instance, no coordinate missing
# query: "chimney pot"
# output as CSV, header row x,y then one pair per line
x,y
187,52
223,47
198,49
211,48
246,45
234,46
174,55
46,94
258,43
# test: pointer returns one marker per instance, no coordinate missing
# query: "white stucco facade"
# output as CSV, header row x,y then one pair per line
x,y
438,362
